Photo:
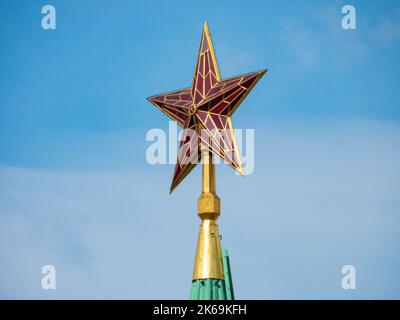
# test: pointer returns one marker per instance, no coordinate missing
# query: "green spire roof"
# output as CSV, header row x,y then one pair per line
x,y
214,289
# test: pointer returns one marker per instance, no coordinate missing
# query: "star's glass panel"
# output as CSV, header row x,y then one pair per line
x,y
188,152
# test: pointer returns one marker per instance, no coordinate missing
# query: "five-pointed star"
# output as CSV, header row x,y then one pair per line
x,y
206,109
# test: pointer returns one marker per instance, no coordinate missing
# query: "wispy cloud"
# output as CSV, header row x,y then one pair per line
x,y
387,30
321,196
318,39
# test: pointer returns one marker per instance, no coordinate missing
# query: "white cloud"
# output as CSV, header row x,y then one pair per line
x,y
321,196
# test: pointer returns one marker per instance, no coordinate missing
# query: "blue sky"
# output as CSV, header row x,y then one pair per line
x,y
77,192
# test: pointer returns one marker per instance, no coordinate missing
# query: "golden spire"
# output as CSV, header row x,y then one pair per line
x,y
208,260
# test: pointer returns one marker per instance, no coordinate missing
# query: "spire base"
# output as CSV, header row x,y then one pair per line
x,y
208,261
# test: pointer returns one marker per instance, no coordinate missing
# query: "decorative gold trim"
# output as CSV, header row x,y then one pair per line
x,y
214,57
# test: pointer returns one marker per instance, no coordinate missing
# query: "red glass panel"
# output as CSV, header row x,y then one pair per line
x,y
202,115
208,124
186,97
158,99
217,121
220,108
231,83
205,43
247,84
207,57
201,63
207,84
199,85
231,97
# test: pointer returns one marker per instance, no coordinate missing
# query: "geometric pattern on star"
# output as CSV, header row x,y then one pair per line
x,y
204,112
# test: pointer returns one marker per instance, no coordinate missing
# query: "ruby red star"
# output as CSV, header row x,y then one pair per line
x,y
204,111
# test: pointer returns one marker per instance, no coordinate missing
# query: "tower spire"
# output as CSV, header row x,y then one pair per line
x,y
211,269
208,261
206,107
